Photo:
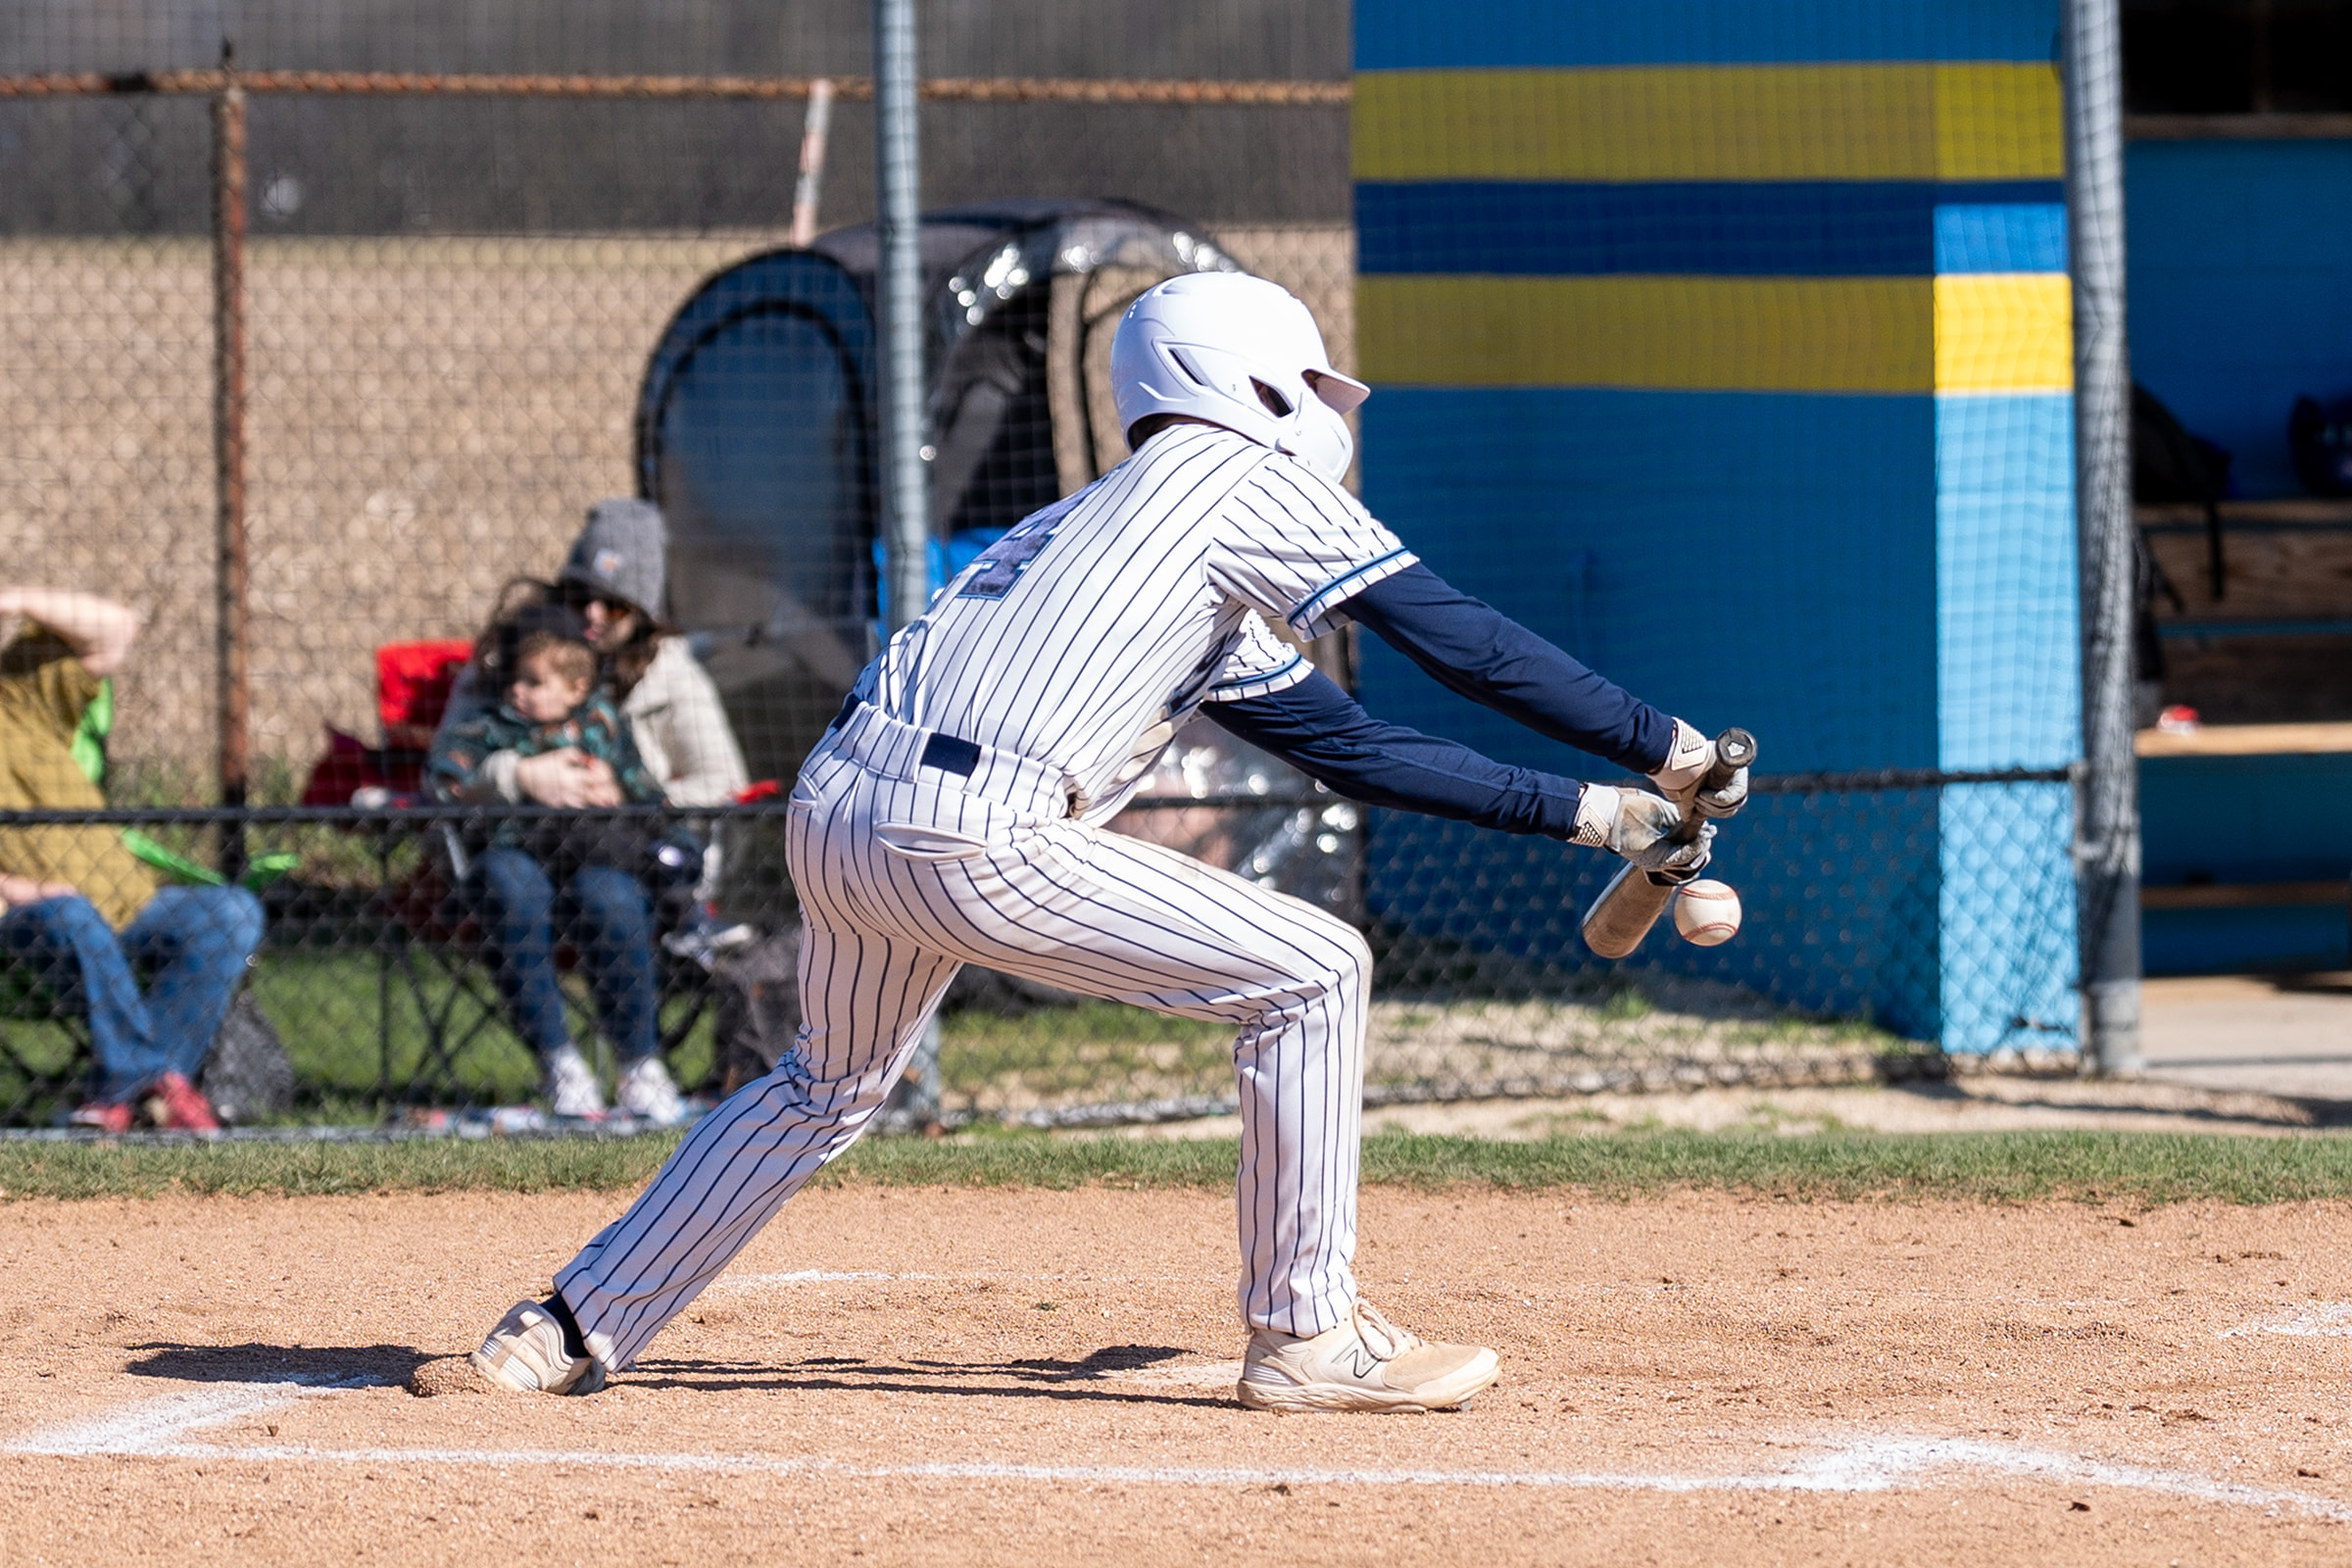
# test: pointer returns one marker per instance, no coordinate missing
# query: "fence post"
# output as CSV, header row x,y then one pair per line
x,y
228,449
905,477
814,131
2108,850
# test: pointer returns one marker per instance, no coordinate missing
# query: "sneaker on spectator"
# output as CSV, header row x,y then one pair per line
x,y
102,1115
572,1086
648,1093
186,1110
704,938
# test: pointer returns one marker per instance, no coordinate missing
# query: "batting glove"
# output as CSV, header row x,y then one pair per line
x,y
1685,769
1640,825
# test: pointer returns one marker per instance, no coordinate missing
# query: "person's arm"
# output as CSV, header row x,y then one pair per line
x,y
616,745
499,775
22,890
98,630
1320,730
460,766
698,745
1473,648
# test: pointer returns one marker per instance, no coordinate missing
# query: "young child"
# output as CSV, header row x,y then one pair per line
x,y
552,703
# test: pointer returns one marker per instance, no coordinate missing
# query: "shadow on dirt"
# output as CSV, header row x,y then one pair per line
x,y
2134,1096
279,1363
1031,1378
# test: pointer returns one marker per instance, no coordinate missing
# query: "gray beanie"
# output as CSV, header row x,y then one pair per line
x,y
622,553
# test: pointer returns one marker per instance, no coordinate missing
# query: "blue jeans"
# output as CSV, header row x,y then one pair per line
x,y
603,912
195,943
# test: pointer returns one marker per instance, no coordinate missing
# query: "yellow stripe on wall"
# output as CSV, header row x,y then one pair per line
x,y
1970,120
2005,332
1976,332
1752,335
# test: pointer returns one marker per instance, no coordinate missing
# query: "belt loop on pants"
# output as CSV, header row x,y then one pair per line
x,y
951,756
899,750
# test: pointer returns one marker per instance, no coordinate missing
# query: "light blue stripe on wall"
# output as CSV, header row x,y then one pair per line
x,y
2006,917
2009,237
2008,689
2008,678
1415,35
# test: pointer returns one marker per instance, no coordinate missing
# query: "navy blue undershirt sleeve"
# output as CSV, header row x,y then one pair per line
x,y
1474,649
1319,729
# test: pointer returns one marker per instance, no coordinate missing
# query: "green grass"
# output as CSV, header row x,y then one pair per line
x,y
2139,1168
324,1007
1104,1046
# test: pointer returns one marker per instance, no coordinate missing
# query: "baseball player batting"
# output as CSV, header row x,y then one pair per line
x,y
954,814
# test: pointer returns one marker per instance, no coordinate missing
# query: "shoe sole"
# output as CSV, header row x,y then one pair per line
x,y
1448,1392
588,1382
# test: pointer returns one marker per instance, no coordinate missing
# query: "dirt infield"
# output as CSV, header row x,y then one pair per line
x,y
988,1376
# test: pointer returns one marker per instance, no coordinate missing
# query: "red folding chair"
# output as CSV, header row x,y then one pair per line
x,y
413,683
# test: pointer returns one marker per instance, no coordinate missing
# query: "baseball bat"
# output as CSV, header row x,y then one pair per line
x,y
1635,899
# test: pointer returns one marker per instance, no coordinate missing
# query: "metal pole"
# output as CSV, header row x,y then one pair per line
x,y
229,449
812,162
2109,853
905,477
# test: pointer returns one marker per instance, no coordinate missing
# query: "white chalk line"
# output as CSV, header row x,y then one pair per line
x,y
157,1423
163,1427
2327,1320
814,1276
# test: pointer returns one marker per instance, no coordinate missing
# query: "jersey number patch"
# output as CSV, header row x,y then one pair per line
x,y
995,572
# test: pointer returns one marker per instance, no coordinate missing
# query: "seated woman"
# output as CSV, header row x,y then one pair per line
x,y
553,702
613,579
76,909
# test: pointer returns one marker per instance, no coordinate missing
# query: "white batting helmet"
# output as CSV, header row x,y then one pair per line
x,y
1239,352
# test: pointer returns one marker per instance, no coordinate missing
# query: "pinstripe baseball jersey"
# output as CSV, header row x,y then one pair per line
x,y
1088,633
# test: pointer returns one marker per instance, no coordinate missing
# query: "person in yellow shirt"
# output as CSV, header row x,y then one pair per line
x,y
77,911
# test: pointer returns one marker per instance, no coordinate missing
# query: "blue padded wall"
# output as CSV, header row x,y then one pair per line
x,y
1840,512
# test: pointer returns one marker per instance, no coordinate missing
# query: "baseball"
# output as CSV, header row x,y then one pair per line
x,y
1707,912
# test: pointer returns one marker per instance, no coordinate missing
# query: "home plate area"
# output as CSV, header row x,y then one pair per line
x,y
983,1376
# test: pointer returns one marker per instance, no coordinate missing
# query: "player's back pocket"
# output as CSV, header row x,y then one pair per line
x,y
915,841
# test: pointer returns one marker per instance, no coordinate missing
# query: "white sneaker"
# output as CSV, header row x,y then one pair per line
x,y
1366,1364
648,1093
572,1087
525,1353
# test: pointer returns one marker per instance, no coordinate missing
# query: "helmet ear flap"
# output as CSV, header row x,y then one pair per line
x,y
1276,403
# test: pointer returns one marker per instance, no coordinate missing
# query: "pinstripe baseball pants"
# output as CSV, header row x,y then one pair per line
x,y
906,872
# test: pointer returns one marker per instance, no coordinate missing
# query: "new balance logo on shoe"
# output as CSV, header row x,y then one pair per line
x,y
1344,1369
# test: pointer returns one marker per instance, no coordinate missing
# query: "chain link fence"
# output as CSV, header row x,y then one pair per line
x,y
311,359
378,966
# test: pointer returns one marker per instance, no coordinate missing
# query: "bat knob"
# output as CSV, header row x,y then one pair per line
x,y
1735,749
